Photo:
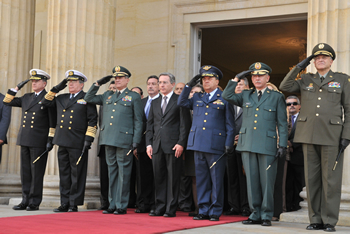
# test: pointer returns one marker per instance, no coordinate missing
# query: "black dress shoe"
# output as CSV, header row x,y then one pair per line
x,y
186,209
231,212
32,207
119,212
169,215
156,213
315,226
246,212
251,221
201,217
214,218
73,209
62,208
329,228
265,222
193,214
108,211
20,206
141,211
103,208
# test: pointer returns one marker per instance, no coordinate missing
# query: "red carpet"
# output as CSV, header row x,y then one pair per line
x,y
95,222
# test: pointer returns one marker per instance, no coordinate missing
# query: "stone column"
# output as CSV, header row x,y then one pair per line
x,y
16,52
79,35
329,22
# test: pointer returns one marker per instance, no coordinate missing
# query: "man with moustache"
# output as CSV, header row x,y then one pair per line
x,y
34,137
144,168
167,132
75,131
211,135
323,132
264,111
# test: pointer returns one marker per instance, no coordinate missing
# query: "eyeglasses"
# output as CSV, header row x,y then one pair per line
x,y
292,103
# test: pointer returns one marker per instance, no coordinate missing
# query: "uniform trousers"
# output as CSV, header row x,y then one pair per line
x,y
323,185
260,184
32,174
72,176
119,173
166,171
210,182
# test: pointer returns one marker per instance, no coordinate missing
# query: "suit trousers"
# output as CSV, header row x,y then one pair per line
x,y
166,171
72,176
294,185
237,184
210,182
260,184
119,172
32,174
323,185
104,182
185,195
145,182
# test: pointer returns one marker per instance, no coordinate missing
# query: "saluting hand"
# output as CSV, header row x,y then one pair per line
x,y
21,84
303,64
60,86
195,80
242,74
178,150
104,80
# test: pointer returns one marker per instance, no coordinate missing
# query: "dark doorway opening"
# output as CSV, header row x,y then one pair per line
x,y
233,49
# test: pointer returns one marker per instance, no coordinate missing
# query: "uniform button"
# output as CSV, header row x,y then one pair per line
x,y
24,121
320,90
64,110
62,116
72,111
207,106
112,117
69,128
25,116
255,121
269,109
256,115
257,109
33,113
61,126
274,137
197,104
61,121
254,128
205,121
106,102
26,112
334,90
110,124
24,126
33,117
31,126
338,122
115,103
218,108
113,110
71,117
70,122
203,128
246,106
32,121
206,113
319,98
126,132
124,104
318,106
317,114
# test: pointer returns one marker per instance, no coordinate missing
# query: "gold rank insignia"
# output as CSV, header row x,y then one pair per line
x,y
257,65
33,73
71,73
321,46
117,69
218,102
349,79
206,68
109,97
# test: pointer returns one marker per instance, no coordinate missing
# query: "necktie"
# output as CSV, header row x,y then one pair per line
x,y
207,97
164,104
293,120
260,94
148,105
118,93
322,78
71,97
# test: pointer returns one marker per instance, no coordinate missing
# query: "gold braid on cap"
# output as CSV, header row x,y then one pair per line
x,y
50,96
91,131
8,98
52,132
324,52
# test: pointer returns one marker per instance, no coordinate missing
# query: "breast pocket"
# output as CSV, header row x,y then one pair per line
x,y
269,113
247,110
334,94
124,107
308,93
198,108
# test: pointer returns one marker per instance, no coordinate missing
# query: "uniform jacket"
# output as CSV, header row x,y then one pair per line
x,y
73,119
122,117
213,125
320,120
166,130
36,119
5,118
260,119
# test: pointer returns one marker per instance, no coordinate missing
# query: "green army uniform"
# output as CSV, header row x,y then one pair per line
x,y
320,128
258,143
121,127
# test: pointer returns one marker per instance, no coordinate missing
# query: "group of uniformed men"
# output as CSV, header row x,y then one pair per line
x,y
157,130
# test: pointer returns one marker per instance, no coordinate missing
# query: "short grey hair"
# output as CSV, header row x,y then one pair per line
x,y
246,83
171,76
293,97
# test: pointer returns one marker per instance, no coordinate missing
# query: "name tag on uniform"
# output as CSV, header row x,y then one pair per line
x,y
81,101
200,101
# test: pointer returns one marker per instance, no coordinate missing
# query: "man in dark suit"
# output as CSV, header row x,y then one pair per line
x,y
75,131
120,134
236,179
212,134
5,118
167,132
323,132
34,137
295,165
144,168
264,111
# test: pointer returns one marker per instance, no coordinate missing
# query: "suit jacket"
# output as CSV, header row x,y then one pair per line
x,y
320,121
76,120
238,119
260,119
122,117
5,118
166,130
36,119
142,146
297,156
213,125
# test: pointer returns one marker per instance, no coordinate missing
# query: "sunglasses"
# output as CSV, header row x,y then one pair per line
x,y
292,103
